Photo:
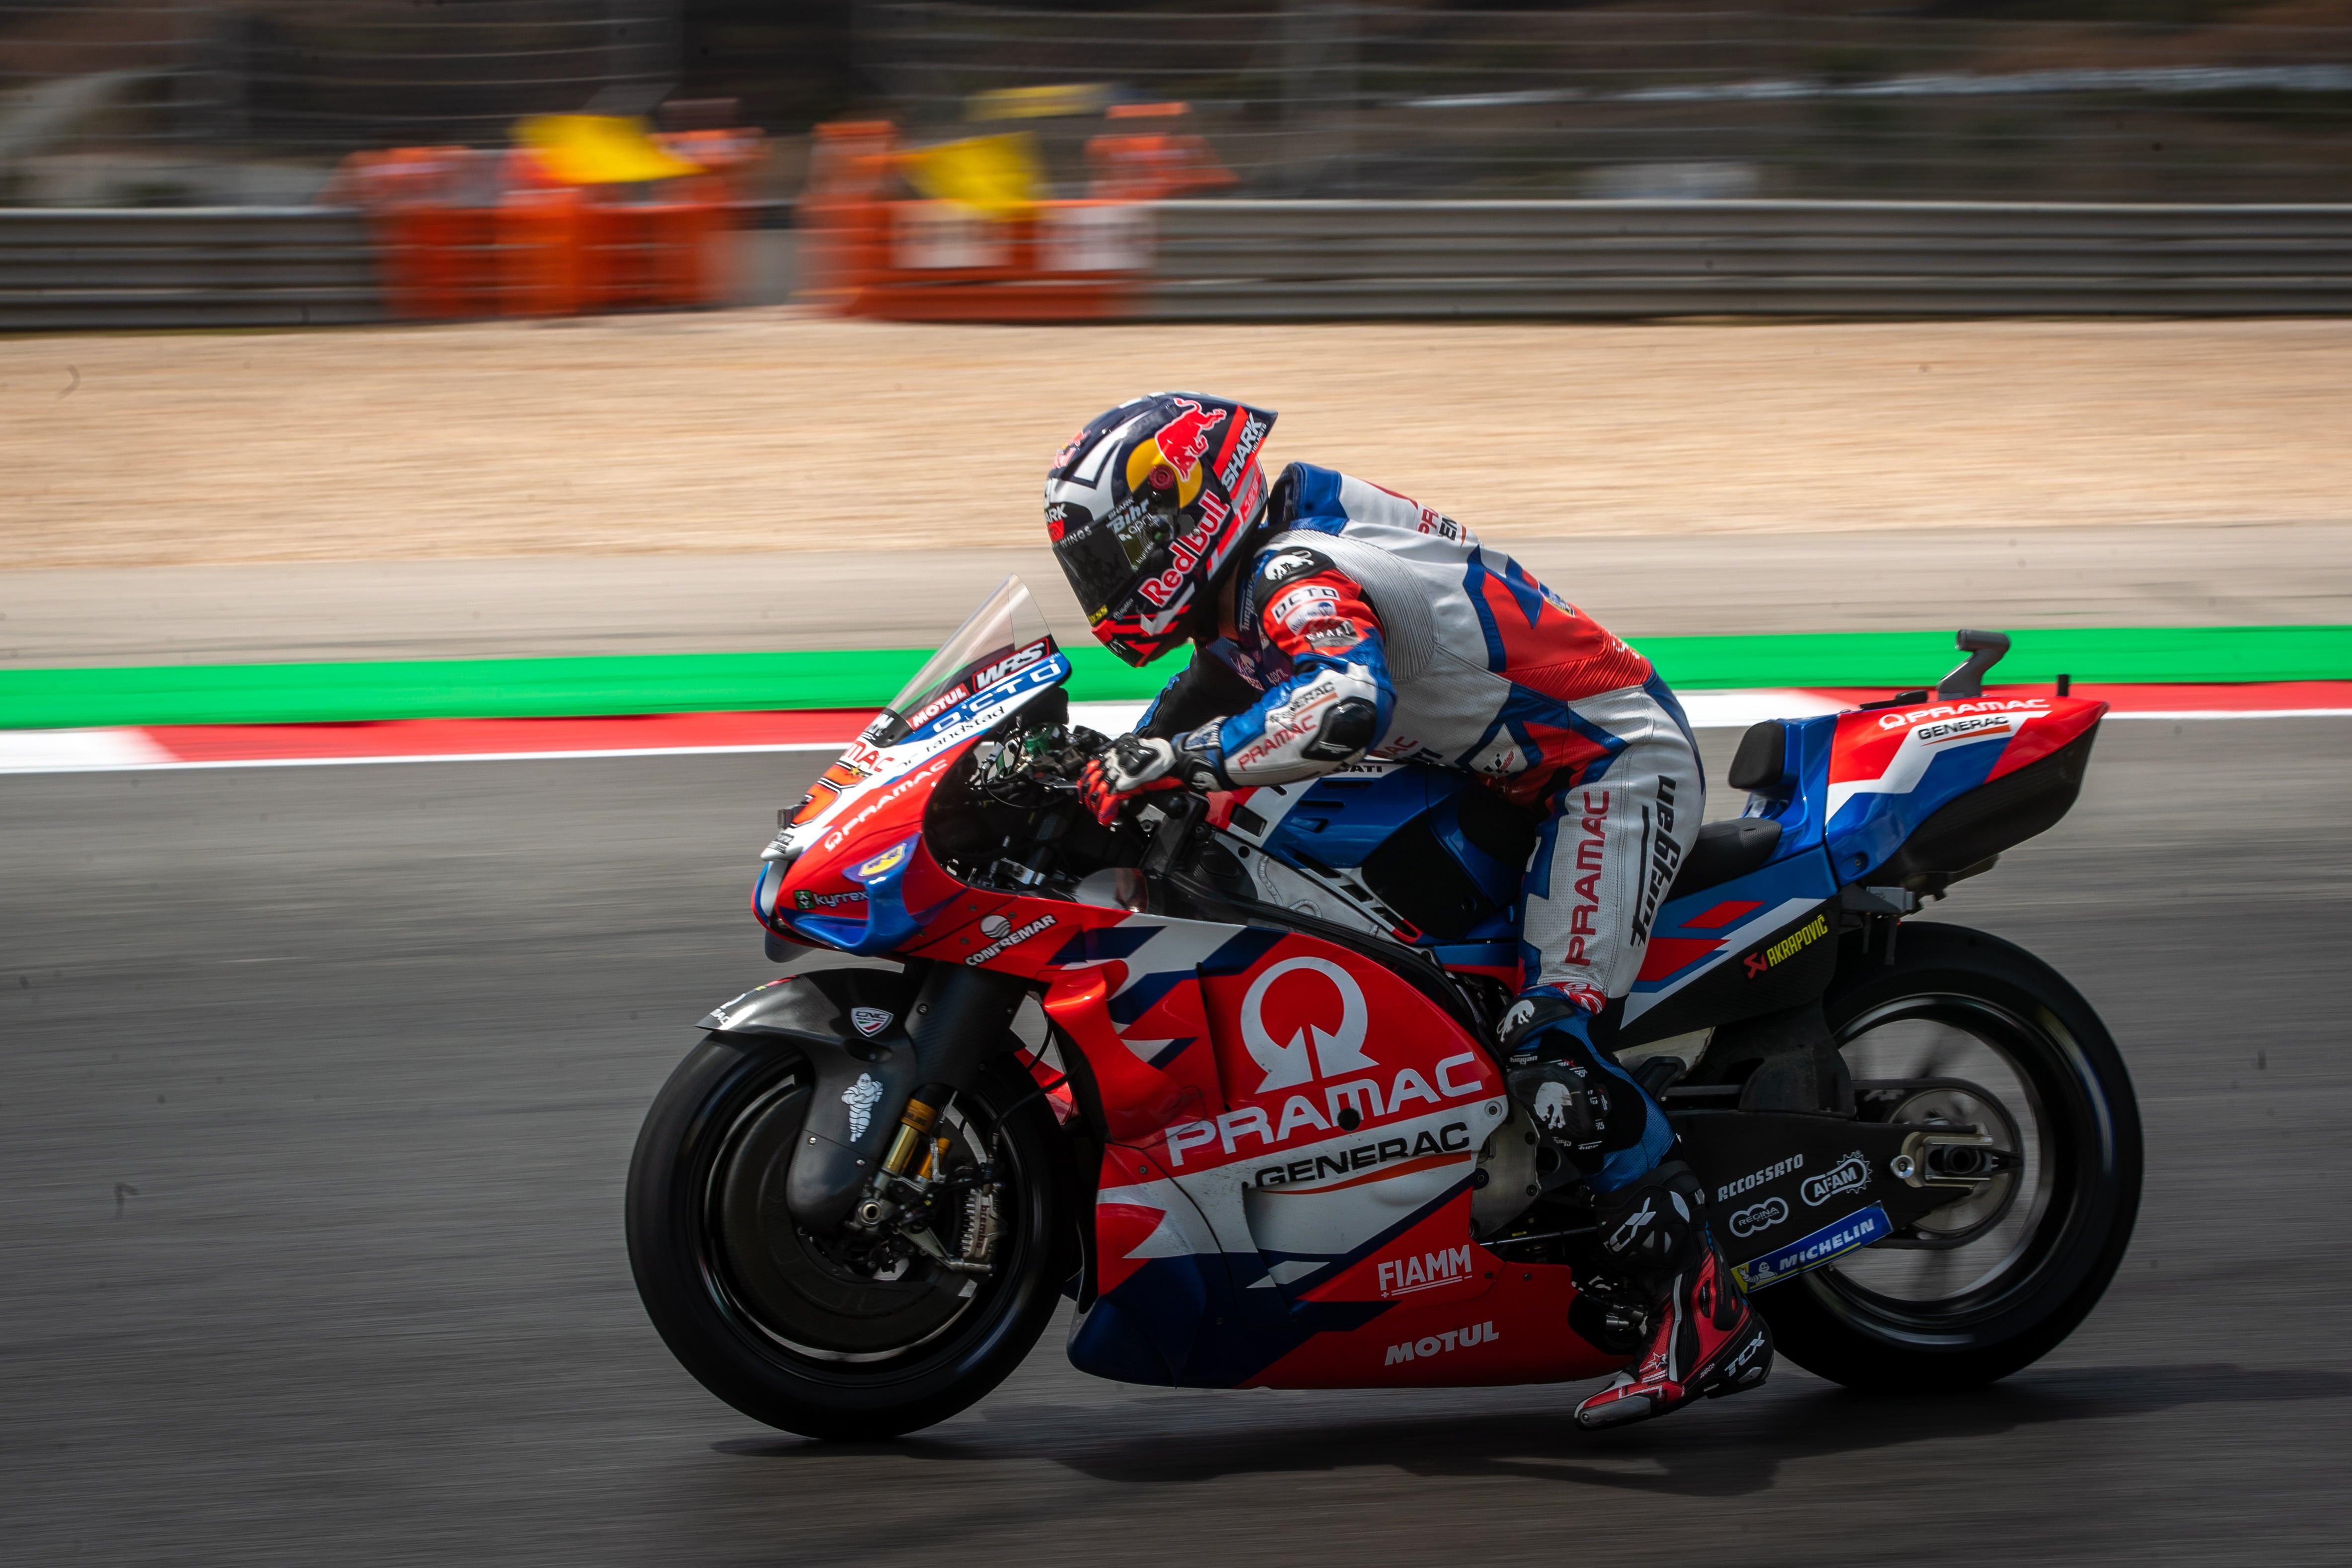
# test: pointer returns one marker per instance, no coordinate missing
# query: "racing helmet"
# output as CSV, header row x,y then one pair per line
x,y
1146,506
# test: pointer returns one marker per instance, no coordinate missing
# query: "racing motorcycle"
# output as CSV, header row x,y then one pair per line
x,y
1223,1071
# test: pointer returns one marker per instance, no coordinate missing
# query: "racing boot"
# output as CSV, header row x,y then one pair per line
x,y
1707,1339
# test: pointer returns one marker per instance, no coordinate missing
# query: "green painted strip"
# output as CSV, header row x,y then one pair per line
x,y
711,682
2142,655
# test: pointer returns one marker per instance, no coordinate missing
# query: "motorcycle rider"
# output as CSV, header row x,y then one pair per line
x,y
1333,621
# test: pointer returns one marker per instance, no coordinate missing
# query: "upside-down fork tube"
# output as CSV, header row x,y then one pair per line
x,y
959,1022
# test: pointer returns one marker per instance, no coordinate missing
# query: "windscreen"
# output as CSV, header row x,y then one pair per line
x,y
1006,634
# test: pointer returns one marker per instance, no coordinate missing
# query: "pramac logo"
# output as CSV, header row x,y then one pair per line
x,y
1282,1044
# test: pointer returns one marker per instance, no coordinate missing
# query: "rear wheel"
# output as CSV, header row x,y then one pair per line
x,y
1964,1029
820,1335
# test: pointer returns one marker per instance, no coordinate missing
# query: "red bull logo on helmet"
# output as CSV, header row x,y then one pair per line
x,y
1183,439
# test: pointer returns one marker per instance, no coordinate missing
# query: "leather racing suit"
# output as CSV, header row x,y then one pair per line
x,y
1368,625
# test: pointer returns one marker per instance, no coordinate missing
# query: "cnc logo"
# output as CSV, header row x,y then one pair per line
x,y
869,1021
1439,1344
1337,1050
1849,1174
1758,1216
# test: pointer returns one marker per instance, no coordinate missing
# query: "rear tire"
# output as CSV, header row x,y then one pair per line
x,y
767,1319
2040,1277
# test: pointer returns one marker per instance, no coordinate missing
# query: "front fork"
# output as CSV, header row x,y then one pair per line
x,y
960,1018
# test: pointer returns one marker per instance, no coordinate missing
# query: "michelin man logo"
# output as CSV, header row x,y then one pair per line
x,y
1336,1051
860,1098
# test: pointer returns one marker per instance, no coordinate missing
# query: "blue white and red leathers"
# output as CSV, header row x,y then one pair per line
x,y
1368,625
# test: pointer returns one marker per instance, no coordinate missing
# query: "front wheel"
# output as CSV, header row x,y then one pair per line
x,y
1966,1030
802,1331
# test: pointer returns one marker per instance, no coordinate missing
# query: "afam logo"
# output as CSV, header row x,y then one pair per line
x,y
1424,1271
1849,1174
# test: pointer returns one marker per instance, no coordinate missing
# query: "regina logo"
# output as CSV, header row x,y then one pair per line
x,y
1758,1216
1847,1175
1277,1026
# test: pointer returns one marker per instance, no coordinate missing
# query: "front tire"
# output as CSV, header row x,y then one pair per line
x,y
1976,1299
768,1317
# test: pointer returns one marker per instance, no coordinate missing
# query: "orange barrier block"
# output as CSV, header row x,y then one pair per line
x,y
464,233
1068,261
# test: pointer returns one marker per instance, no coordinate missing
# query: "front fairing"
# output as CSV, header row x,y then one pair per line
x,y
851,872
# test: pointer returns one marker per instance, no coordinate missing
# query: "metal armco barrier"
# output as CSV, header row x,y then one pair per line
x,y
93,269
1332,260
1337,260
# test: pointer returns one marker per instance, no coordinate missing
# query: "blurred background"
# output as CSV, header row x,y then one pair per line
x,y
151,101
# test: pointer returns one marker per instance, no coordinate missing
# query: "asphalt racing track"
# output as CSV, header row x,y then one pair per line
x,y
318,1086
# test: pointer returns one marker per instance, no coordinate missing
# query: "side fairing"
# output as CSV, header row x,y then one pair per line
x,y
1294,1132
1711,956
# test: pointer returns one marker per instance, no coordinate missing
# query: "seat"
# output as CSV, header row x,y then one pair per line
x,y
1725,850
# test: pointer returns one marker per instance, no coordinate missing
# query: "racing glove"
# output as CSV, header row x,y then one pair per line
x,y
1128,766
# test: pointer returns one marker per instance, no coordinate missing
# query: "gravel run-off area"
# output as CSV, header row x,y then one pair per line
x,y
754,431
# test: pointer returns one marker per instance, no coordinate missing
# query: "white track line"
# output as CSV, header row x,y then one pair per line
x,y
131,750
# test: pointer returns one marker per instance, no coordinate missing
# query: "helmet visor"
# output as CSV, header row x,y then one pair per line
x,y
1106,558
